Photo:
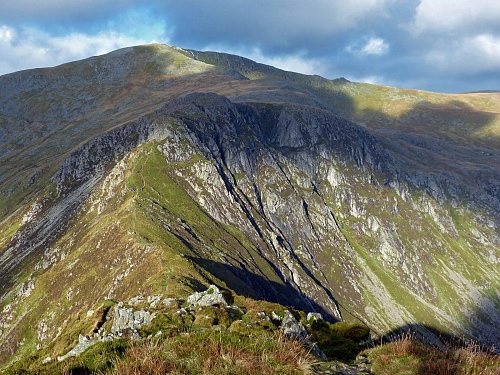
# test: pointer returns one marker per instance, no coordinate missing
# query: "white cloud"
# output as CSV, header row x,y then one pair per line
x,y
30,48
5,33
297,62
372,79
375,46
471,55
455,15
461,37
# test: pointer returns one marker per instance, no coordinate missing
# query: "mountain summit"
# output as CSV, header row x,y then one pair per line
x,y
154,170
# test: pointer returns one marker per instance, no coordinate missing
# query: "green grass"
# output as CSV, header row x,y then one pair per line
x,y
409,357
174,344
339,341
99,358
215,353
154,196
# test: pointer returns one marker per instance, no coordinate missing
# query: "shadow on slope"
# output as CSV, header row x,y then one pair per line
x,y
421,348
250,284
481,338
452,116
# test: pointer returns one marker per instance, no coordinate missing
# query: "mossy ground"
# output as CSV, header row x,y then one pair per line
x,y
184,346
209,339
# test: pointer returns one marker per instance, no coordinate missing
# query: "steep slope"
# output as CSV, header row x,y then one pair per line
x,y
157,170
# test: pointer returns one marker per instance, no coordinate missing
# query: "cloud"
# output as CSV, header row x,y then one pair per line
x,y
273,26
372,46
375,46
66,11
447,45
296,62
457,44
461,37
28,47
468,56
456,16
373,79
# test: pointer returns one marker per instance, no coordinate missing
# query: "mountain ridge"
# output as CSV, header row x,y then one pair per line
x,y
253,181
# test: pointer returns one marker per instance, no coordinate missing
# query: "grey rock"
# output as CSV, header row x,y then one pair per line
x,y
302,145
84,342
134,301
294,330
169,301
154,300
276,317
128,319
263,316
313,317
210,297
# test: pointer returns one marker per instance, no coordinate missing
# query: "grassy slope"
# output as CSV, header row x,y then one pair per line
x,y
462,117
163,72
129,250
410,357
472,118
130,228
468,119
72,103
132,251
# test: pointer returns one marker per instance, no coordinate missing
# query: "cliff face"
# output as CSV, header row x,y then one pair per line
x,y
283,200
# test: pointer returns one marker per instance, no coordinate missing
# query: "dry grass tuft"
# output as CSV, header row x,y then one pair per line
x,y
215,353
406,355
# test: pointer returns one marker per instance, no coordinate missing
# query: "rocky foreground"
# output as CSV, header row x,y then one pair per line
x,y
250,337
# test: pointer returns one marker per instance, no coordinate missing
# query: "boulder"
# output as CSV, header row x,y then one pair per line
x,y
314,317
127,318
294,330
83,343
210,297
276,317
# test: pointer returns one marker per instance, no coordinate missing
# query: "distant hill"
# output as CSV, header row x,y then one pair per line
x,y
481,92
157,171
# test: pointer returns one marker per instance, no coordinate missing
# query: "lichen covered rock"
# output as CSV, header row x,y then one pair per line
x,y
128,319
210,297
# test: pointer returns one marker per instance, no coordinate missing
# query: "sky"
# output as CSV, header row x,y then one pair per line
x,y
437,45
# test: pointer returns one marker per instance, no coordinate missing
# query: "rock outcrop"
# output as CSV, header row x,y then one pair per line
x,y
296,331
129,319
84,343
210,297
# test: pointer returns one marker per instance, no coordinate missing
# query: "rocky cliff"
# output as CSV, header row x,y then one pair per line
x,y
164,170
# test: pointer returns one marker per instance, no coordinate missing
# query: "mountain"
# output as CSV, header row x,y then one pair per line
x,y
154,170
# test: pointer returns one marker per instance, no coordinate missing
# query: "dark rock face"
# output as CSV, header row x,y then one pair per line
x,y
93,157
303,206
291,140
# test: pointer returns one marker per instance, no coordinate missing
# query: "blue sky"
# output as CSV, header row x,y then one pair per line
x,y
439,45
